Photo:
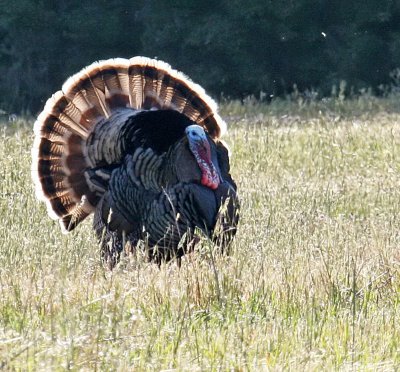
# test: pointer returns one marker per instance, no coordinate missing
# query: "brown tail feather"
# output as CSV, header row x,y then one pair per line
x,y
59,153
79,213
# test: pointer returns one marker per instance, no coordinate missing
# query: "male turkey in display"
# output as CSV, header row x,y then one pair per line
x,y
138,144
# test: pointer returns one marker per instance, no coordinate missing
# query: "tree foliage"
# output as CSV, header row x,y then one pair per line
x,y
234,48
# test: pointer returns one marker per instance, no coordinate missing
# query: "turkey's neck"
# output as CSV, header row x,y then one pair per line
x,y
202,153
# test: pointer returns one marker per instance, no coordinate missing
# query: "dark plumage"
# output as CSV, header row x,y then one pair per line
x,y
137,143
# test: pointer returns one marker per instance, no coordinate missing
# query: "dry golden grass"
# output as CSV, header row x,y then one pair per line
x,y
313,280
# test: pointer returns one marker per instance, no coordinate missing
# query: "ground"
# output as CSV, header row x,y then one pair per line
x,y
313,279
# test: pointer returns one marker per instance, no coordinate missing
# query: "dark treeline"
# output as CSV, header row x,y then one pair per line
x,y
233,48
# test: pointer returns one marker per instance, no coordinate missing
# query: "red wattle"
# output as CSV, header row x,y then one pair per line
x,y
202,153
207,180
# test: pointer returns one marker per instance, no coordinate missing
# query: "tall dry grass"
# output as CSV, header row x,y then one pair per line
x,y
312,281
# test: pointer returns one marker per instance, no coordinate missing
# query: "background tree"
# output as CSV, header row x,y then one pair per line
x,y
234,48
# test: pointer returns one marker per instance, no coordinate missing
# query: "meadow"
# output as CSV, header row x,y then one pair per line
x,y
312,282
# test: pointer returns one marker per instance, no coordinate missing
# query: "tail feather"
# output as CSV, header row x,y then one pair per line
x,y
136,91
96,87
50,167
60,153
86,111
117,86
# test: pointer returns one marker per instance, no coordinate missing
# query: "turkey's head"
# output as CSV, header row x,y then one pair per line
x,y
200,147
195,158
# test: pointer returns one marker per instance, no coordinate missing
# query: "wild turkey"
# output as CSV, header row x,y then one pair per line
x,y
138,144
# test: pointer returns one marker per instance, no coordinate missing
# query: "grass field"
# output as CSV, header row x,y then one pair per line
x,y
313,280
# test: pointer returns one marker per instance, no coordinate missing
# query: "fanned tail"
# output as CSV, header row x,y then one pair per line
x,y
60,160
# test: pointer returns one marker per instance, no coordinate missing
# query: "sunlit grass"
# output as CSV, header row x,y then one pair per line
x,y
312,282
